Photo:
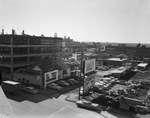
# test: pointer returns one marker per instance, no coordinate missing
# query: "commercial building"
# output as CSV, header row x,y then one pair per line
x,y
43,72
142,66
115,61
116,72
133,51
23,50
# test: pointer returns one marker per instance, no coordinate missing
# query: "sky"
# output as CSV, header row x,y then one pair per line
x,y
123,21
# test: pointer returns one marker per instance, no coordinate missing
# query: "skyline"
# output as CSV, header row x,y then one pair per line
x,y
122,21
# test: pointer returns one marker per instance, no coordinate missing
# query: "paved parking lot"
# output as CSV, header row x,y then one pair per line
x,y
42,95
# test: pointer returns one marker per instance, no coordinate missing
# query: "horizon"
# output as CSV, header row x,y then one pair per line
x,y
121,21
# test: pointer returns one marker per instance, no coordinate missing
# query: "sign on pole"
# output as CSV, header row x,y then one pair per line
x,y
89,66
89,83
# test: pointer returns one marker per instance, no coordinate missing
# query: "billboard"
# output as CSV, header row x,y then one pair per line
x,y
50,77
89,66
89,83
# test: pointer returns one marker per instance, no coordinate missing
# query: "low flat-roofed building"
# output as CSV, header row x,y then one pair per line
x,y
35,74
142,66
121,71
114,61
117,72
103,73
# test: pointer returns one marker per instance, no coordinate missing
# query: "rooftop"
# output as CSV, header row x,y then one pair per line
x,y
11,82
116,59
142,64
114,70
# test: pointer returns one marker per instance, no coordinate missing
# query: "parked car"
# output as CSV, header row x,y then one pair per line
x,y
72,81
78,78
62,83
75,81
89,105
54,86
30,90
97,89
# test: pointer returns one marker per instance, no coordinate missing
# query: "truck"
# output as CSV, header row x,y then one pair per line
x,y
11,87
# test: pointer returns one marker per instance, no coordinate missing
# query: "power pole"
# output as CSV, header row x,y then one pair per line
x,y
81,71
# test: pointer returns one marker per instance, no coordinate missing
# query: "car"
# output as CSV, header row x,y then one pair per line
x,y
30,90
54,86
78,78
75,81
97,89
89,105
62,83
71,82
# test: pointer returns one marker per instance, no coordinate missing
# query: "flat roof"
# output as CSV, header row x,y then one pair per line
x,y
103,73
115,70
142,64
119,70
116,59
11,82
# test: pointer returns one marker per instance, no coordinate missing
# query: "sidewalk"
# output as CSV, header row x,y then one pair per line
x,y
73,97
6,110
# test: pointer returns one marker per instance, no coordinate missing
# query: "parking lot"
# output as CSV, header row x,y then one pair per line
x,y
42,95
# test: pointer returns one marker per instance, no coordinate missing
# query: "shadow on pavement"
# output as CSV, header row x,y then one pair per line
x,y
121,113
14,97
42,95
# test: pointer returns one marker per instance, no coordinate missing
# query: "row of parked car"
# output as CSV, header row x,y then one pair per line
x,y
60,84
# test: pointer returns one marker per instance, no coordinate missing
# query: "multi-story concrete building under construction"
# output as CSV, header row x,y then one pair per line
x,y
22,50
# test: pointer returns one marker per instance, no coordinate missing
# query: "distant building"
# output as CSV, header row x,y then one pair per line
x,y
137,52
22,50
142,66
116,72
114,61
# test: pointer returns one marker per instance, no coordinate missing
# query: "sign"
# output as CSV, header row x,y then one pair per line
x,y
89,83
89,66
50,77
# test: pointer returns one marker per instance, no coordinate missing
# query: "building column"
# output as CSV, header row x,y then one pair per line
x,y
28,52
12,59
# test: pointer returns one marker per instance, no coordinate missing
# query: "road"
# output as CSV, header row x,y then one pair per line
x,y
53,108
